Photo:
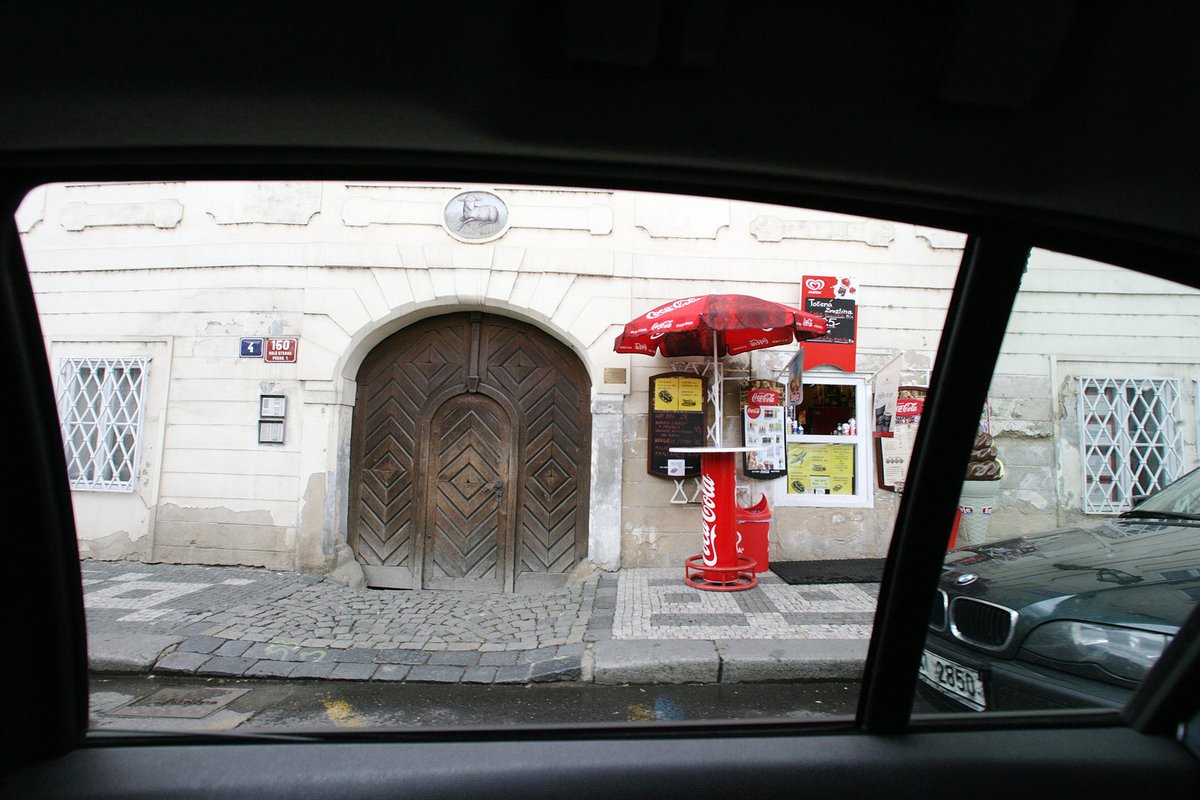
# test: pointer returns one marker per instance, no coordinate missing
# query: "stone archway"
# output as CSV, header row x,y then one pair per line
x,y
470,457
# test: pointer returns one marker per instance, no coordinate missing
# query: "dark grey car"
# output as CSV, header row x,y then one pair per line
x,y
1068,618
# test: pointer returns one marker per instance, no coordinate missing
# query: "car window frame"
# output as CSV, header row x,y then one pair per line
x,y
989,274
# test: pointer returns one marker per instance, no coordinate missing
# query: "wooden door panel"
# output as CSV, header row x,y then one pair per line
x,y
395,383
468,537
548,387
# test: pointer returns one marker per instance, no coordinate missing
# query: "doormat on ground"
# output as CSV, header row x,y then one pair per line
x,y
848,570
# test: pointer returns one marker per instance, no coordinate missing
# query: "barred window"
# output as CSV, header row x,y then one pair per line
x,y
100,404
1131,441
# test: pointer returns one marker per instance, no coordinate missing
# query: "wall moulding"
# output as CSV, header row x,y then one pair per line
x,y
942,240
774,229
268,203
672,217
165,213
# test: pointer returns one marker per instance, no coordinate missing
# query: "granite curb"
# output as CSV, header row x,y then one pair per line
x,y
646,661
609,662
175,655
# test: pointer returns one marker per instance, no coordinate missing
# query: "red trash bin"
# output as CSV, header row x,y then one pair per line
x,y
753,525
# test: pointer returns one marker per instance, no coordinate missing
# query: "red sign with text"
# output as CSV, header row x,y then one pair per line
x,y
836,299
280,351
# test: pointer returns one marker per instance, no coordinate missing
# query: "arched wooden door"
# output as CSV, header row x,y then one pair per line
x,y
470,453
468,534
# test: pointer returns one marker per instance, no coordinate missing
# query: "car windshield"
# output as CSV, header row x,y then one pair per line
x,y
378,455
364,455
1062,587
1180,498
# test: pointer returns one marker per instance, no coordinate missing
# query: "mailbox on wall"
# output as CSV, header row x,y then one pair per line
x,y
272,412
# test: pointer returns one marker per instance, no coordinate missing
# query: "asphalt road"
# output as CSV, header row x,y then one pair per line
x,y
214,704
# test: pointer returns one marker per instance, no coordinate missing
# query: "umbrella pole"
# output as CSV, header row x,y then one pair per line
x,y
718,395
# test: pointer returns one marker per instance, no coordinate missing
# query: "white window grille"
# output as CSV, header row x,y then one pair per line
x,y
1130,439
100,402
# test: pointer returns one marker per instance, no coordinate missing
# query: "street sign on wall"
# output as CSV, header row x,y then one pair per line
x,y
281,351
252,348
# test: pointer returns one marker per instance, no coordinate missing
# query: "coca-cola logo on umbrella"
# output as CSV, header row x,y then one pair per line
x,y
667,309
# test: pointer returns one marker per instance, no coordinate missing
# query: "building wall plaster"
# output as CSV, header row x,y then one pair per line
x,y
219,535
343,266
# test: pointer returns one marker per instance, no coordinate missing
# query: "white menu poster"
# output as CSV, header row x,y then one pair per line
x,y
764,428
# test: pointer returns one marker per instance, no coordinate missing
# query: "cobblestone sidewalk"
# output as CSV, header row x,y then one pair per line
x,y
247,622
656,604
241,622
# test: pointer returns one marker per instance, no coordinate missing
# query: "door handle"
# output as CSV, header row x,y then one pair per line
x,y
499,489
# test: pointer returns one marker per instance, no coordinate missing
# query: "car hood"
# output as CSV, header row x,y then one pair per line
x,y
1145,568
1159,606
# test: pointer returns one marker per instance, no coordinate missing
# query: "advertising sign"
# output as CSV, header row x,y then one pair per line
x,y
820,468
887,387
763,426
281,351
676,419
836,299
795,379
895,452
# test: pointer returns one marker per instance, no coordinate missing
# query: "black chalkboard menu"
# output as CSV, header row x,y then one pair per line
x,y
839,314
676,417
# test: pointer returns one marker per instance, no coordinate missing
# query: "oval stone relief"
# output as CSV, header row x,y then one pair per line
x,y
475,216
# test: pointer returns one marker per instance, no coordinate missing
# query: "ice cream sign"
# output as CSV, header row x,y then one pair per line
x,y
835,298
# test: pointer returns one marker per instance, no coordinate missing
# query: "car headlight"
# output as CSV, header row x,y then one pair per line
x,y
1125,652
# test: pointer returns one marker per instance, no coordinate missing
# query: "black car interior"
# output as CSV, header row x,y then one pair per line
x,y
1053,124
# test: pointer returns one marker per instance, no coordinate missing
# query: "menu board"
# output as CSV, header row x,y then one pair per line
x,y
840,317
820,468
763,426
894,453
676,419
836,299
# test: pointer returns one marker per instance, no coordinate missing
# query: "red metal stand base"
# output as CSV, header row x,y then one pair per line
x,y
720,579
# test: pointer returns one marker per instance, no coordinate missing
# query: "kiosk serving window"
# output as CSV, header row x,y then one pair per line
x,y
828,444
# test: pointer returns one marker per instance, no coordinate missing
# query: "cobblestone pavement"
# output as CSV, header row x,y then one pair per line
x,y
232,621
249,622
657,604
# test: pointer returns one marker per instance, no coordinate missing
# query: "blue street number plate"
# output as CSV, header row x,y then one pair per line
x,y
252,348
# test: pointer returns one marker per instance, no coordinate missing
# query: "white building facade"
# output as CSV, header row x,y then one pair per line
x,y
454,373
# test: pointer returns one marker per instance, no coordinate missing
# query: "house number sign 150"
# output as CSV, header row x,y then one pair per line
x,y
280,351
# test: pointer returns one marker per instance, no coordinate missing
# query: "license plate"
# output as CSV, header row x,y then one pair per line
x,y
953,679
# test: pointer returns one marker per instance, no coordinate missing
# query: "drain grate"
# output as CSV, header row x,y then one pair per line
x,y
180,702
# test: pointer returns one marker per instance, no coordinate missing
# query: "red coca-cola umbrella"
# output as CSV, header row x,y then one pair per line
x,y
717,325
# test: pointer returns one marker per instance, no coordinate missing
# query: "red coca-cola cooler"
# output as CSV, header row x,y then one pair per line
x,y
753,529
